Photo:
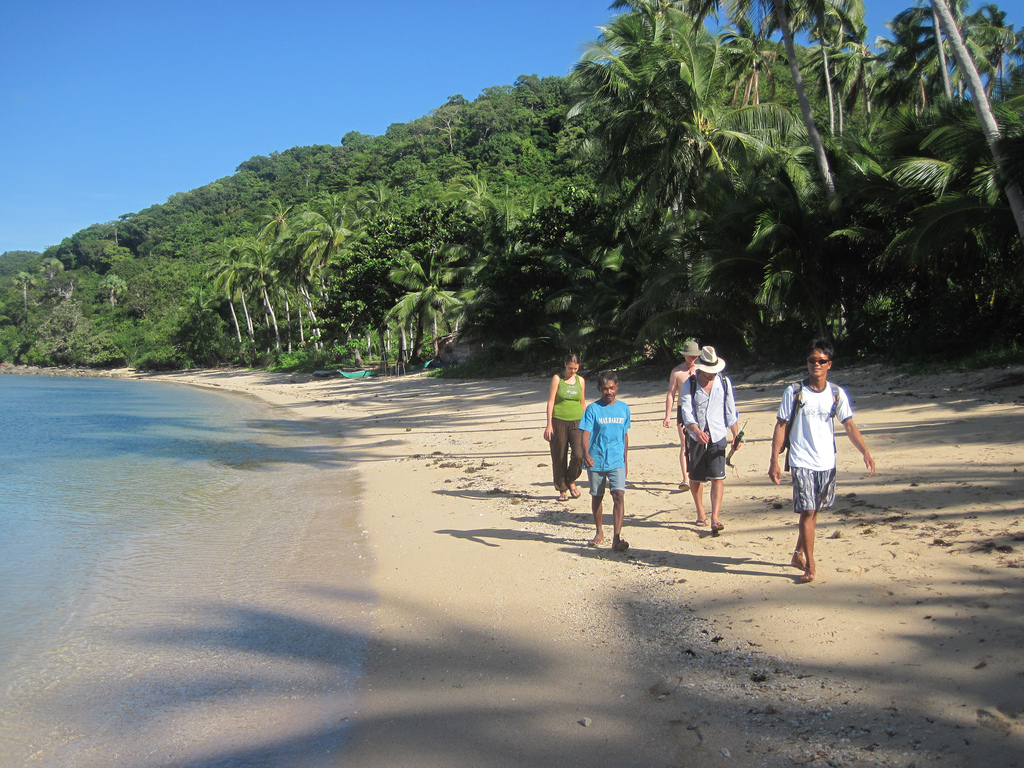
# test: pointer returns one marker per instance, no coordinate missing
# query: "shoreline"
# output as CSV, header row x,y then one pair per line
x,y
499,639
180,590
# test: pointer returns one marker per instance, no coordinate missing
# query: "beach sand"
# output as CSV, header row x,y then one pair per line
x,y
500,639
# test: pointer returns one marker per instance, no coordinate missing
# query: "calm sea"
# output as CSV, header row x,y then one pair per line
x,y
183,579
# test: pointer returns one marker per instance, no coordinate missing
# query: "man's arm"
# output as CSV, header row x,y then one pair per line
x,y
587,460
857,439
675,383
625,454
773,465
690,419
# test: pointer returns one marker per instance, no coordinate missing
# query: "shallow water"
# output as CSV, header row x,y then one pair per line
x,y
183,575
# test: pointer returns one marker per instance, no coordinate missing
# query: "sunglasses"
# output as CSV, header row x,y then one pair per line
x,y
818,360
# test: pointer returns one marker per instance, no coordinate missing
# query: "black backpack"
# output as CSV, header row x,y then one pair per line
x,y
798,403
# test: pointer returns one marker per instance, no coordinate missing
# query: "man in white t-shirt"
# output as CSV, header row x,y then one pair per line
x,y
812,446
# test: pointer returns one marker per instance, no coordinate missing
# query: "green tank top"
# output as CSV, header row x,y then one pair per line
x,y
568,401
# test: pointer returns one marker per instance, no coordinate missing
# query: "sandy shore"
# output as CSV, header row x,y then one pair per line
x,y
501,640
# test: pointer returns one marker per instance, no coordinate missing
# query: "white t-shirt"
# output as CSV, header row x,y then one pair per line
x,y
812,441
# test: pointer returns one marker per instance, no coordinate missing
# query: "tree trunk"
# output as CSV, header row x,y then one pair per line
x,y
238,330
248,320
355,350
828,79
288,319
940,48
805,106
273,320
982,108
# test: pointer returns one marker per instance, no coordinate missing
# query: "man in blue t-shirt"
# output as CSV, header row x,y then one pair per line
x,y
605,425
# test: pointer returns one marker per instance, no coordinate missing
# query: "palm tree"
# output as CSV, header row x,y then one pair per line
x,y
261,276
789,16
915,60
427,279
114,286
995,42
230,270
982,107
25,281
857,70
830,22
653,83
325,230
749,49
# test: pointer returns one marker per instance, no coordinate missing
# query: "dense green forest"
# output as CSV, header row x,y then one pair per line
x,y
736,187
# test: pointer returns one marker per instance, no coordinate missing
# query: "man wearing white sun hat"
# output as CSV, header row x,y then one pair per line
x,y
709,416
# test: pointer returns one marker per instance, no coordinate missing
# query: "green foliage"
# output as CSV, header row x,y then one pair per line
x,y
666,190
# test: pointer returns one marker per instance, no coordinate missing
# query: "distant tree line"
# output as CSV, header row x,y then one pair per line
x,y
732,186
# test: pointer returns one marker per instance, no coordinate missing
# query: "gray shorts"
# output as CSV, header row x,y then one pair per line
x,y
615,478
813,489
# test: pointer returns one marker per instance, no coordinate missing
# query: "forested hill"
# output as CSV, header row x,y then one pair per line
x,y
512,135
675,185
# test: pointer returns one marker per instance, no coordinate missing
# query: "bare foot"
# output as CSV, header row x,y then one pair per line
x,y
798,561
809,575
596,541
620,545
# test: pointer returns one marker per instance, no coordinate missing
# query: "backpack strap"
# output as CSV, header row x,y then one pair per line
x,y
798,403
693,396
725,401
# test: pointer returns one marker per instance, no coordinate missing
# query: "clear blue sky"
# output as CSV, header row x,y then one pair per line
x,y
109,107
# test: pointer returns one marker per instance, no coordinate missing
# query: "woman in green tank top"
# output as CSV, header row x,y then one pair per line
x,y
565,409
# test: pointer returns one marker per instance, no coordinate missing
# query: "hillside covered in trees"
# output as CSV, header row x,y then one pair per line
x,y
735,187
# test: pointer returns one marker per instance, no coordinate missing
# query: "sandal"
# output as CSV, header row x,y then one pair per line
x,y
701,522
574,492
562,496
621,545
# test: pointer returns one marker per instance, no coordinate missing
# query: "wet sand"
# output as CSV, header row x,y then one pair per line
x,y
500,639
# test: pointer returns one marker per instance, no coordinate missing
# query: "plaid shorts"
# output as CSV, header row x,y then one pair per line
x,y
813,489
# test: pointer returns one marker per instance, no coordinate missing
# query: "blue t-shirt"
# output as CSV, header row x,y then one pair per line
x,y
607,425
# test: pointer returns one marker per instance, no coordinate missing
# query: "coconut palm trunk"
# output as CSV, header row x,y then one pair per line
x,y
805,105
940,49
234,317
982,107
248,319
272,317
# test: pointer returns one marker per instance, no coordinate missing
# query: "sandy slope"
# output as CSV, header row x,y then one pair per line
x,y
501,640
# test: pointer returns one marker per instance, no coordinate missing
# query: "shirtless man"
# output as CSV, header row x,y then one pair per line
x,y
676,379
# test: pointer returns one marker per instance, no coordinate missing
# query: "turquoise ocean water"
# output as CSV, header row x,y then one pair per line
x,y
183,579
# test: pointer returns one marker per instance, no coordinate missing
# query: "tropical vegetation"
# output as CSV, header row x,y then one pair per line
x,y
700,173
